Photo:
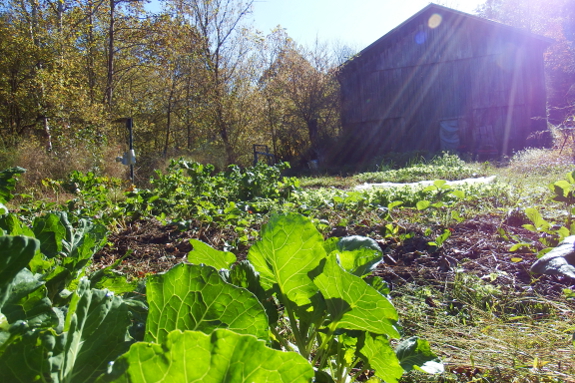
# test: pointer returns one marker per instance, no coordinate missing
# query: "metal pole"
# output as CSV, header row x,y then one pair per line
x,y
131,144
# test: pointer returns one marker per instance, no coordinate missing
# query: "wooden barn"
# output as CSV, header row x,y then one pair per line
x,y
444,80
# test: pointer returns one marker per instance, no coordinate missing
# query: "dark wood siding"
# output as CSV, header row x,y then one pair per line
x,y
488,77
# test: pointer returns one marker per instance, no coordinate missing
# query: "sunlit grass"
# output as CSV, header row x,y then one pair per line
x,y
481,342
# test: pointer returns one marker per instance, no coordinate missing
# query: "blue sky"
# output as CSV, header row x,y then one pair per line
x,y
356,23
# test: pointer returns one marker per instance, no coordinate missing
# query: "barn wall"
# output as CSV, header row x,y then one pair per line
x,y
489,80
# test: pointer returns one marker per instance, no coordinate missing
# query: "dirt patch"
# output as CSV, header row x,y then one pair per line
x,y
156,247
475,246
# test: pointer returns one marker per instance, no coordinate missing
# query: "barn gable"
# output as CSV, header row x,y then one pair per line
x,y
445,79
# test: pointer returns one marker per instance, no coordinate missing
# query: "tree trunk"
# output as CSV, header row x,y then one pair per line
x,y
169,121
109,81
91,53
313,135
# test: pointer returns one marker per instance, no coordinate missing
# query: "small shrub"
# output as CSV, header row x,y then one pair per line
x,y
540,161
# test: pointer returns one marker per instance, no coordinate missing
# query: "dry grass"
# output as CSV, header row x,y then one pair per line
x,y
490,346
42,165
540,161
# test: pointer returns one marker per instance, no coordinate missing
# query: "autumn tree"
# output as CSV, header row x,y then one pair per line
x,y
301,98
554,19
42,90
220,24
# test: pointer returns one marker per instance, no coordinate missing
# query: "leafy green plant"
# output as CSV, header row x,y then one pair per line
x,y
335,319
440,239
7,185
262,181
304,297
447,166
552,234
39,341
439,190
564,192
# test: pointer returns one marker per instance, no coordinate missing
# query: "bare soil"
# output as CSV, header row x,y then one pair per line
x,y
475,246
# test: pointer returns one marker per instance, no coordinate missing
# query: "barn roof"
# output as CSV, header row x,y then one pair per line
x,y
400,29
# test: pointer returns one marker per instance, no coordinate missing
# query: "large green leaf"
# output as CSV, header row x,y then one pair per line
x,y
95,333
290,251
81,242
27,301
73,249
58,237
359,255
50,232
207,255
415,353
378,353
222,356
34,356
354,304
15,253
13,226
244,275
195,297
114,280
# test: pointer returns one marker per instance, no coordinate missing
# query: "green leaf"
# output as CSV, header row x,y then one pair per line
x,y
458,194
378,284
27,301
78,248
378,353
15,253
422,205
562,188
289,250
222,356
537,219
35,356
439,183
95,333
359,255
195,297
8,182
50,232
207,255
563,232
13,226
82,242
415,353
114,281
96,326
243,274
353,304
456,216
